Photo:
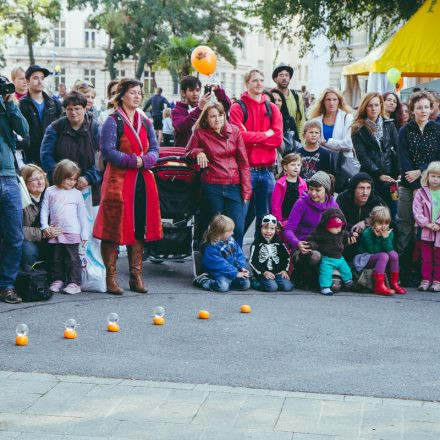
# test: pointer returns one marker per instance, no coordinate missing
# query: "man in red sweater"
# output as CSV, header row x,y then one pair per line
x,y
261,126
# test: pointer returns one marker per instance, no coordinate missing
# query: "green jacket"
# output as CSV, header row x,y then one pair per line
x,y
370,243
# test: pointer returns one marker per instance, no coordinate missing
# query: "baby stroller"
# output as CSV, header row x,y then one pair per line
x,y
177,184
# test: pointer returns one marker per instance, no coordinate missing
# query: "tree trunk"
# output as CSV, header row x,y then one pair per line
x,y
140,66
30,50
109,61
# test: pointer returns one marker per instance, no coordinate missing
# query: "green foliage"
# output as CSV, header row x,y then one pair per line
x,y
308,19
29,18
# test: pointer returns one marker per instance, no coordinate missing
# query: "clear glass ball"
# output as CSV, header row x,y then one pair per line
x,y
113,318
159,311
70,324
22,330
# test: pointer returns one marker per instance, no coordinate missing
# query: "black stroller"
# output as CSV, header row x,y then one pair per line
x,y
177,182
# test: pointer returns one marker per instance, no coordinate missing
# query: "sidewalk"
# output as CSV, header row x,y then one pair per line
x,y
47,407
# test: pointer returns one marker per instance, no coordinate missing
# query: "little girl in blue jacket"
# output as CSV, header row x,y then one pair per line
x,y
223,260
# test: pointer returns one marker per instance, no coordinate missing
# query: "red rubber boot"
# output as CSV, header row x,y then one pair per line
x,y
380,288
394,282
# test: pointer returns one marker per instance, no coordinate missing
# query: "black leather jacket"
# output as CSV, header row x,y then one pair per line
x,y
375,159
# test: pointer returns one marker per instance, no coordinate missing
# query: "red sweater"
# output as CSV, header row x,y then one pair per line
x,y
261,148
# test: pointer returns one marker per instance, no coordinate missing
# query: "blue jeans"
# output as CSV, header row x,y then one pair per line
x,y
223,199
279,283
11,227
31,252
225,284
263,183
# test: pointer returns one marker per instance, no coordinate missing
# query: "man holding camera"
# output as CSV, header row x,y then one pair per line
x,y
11,120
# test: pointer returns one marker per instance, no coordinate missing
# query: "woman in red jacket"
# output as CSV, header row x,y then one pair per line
x,y
221,154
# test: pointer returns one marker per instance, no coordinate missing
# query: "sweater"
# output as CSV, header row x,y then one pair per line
x,y
268,256
422,210
370,243
304,217
223,259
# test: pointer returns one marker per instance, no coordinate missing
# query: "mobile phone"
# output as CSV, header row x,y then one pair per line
x,y
207,89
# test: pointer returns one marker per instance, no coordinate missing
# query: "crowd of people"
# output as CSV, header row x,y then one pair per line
x,y
338,196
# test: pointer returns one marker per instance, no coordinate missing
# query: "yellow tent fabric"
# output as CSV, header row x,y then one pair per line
x,y
414,49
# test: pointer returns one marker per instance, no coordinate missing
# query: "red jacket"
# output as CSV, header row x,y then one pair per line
x,y
226,153
261,148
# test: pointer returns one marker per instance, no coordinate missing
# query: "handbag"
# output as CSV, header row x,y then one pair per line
x,y
350,165
33,284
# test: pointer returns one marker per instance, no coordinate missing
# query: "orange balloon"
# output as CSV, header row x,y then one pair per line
x,y
70,334
204,60
112,327
246,308
21,340
203,314
399,85
158,320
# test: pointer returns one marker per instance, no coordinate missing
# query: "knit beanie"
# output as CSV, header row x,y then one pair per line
x,y
321,178
334,222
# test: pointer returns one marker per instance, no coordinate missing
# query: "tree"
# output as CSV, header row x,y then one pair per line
x,y
307,19
28,18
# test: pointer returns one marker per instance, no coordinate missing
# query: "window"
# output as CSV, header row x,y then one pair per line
x,y
120,73
223,79
261,65
261,38
234,84
60,78
59,34
89,36
148,82
300,71
90,75
243,49
306,73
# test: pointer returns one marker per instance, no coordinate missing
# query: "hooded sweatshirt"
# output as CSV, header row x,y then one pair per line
x,y
261,149
304,217
328,244
352,212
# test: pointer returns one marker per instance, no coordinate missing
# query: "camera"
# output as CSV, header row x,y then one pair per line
x,y
6,87
207,89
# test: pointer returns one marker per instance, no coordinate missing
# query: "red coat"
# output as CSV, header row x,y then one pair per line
x,y
226,153
261,148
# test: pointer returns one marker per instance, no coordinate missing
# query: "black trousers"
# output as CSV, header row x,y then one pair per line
x,y
66,265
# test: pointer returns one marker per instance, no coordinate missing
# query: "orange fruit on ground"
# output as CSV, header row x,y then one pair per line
x,y
158,320
203,314
246,308
112,327
70,334
21,340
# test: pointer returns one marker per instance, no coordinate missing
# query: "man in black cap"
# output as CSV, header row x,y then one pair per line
x,y
39,109
282,75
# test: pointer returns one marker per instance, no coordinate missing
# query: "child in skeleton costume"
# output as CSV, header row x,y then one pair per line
x,y
330,238
270,259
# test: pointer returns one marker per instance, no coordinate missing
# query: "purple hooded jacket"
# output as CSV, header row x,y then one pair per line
x,y
304,218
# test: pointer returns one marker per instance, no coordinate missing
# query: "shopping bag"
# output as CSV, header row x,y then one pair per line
x,y
92,268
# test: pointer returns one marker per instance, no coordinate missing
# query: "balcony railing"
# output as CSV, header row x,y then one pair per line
x,y
60,52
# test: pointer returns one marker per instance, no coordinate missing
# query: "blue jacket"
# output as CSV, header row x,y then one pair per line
x,y
11,120
224,258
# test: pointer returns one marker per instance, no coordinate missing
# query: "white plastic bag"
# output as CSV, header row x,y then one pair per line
x,y
92,268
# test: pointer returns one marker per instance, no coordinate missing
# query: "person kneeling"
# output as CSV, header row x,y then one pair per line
x,y
222,259
270,259
330,238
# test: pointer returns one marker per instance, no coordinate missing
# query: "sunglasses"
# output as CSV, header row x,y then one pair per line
x,y
86,85
267,220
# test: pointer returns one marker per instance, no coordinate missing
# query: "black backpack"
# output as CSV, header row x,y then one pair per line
x,y
33,284
245,112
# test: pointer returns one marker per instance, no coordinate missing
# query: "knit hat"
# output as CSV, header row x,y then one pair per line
x,y
334,222
321,178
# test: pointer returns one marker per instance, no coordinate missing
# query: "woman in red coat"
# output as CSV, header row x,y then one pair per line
x,y
129,212
221,154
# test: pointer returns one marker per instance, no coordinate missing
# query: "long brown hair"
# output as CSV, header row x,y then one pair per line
x,y
219,225
361,115
202,122
318,108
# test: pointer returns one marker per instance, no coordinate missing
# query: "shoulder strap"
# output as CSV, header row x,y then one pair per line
x,y
268,110
59,125
243,109
119,128
298,108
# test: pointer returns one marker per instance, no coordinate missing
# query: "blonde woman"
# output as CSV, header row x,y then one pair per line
x,y
87,89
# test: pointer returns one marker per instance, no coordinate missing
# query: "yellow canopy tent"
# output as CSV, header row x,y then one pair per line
x,y
414,50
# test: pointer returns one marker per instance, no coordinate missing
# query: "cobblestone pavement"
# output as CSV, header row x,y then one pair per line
x,y
52,407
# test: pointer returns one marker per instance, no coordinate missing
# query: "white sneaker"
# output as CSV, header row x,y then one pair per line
x,y
56,286
72,289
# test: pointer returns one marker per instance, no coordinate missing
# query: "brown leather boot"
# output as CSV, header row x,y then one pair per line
x,y
135,253
109,256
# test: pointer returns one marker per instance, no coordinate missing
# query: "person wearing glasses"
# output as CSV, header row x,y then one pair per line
x,y
35,240
74,137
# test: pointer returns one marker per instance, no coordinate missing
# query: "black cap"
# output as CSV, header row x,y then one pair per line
x,y
35,68
281,67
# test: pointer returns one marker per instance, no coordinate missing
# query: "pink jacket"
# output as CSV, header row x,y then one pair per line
x,y
422,210
278,196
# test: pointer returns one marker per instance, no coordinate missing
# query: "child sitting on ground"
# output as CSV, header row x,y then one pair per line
x,y
376,251
222,259
330,238
314,157
288,188
270,259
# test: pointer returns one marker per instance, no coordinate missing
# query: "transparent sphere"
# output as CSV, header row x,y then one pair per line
x,y
159,311
22,330
113,318
70,324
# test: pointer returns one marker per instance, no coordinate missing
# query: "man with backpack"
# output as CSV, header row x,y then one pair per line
x,y
282,75
261,126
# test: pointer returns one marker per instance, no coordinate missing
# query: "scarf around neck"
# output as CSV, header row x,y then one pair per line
x,y
376,128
